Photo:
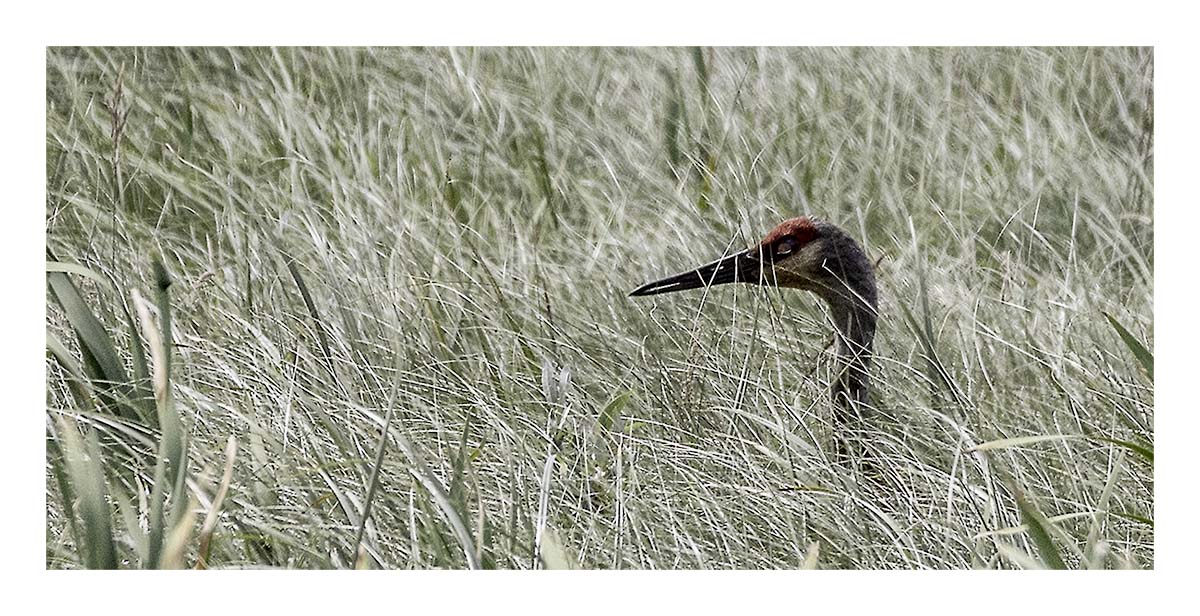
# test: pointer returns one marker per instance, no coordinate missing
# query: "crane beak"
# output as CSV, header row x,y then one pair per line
x,y
745,266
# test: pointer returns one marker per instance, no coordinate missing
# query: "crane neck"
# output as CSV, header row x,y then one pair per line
x,y
852,306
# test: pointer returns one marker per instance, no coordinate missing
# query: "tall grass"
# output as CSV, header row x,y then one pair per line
x,y
399,285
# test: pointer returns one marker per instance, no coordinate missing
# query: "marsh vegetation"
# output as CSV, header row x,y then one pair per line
x,y
363,307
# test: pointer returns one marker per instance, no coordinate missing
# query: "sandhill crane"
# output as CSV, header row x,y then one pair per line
x,y
814,255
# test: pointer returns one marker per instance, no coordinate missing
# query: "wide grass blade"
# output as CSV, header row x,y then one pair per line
x,y
86,470
80,387
611,413
1144,357
1024,528
100,357
1144,451
178,538
1094,550
210,520
313,313
170,468
1039,531
1021,441
75,268
143,394
373,482
422,473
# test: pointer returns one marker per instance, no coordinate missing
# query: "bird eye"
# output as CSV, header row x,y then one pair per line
x,y
785,246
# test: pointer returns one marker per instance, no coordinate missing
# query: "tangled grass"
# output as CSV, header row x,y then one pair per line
x,y
436,244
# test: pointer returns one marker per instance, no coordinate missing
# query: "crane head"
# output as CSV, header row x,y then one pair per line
x,y
791,255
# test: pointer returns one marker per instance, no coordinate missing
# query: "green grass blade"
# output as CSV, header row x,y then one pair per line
x,y
170,469
1132,517
1144,357
143,393
210,519
1019,557
59,464
80,387
373,482
612,411
92,335
96,345
79,270
1146,452
1039,531
1024,528
1093,552
85,468
313,313
421,472
1021,441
